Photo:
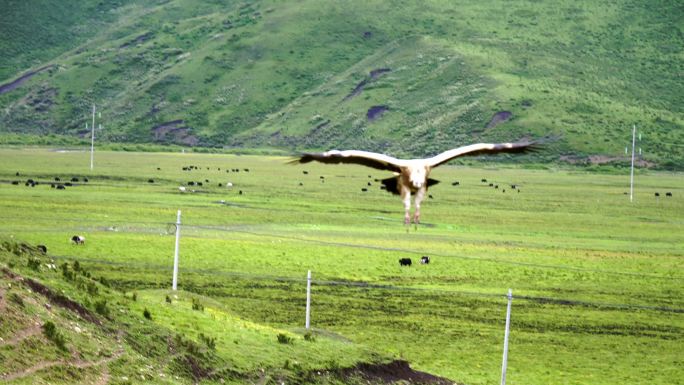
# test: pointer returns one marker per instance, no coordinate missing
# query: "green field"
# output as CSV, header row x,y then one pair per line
x,y
597,281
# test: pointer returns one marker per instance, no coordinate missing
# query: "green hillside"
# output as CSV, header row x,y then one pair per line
x,y
409,78
61,324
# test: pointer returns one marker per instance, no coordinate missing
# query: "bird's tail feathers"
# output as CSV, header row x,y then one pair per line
x,y
391,185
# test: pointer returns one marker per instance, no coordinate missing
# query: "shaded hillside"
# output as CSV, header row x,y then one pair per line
x,y
296,76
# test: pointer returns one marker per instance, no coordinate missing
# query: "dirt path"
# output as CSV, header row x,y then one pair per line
x,y
22,335
7,87
31,370
104,378
76,363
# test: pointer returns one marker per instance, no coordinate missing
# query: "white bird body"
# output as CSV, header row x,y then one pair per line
x,y
412,175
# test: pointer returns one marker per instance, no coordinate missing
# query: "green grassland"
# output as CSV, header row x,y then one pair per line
x,y
596,280
281,74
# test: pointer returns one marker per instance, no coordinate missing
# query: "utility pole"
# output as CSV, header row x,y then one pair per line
x,y
631,178
92,140
508,327
92,136
308,300
174,285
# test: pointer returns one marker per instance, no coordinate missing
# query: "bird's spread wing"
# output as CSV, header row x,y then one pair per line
x,y
365,158
482,149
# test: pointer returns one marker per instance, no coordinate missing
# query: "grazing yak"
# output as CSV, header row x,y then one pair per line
x,y
405,262
424,260
411,175
78,239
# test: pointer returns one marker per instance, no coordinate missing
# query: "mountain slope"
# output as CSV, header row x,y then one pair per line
x,y
298,75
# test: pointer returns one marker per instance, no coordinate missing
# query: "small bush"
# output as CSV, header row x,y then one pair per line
x,y
66,273
76,266
308,336
16,250
147,314
168,299
51,333
209,341
92,288
190,346
197,305
101,308
134,296
283,339
16,298
34,263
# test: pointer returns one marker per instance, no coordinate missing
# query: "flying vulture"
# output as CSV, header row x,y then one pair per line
x,y
411,175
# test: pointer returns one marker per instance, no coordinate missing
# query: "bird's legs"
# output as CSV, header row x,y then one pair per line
x,y
420,195
406,197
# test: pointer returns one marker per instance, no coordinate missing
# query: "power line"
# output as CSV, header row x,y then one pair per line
x,y
413,251
81,220
557,301
241,230
377,286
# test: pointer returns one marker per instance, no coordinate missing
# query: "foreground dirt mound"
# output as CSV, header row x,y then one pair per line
x,y
393,372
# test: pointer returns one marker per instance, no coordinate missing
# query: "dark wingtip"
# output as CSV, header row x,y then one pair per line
x,y
537,145
302,158
293,160
533,147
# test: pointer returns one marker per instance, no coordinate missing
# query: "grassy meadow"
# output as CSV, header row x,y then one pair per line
x,y
597,281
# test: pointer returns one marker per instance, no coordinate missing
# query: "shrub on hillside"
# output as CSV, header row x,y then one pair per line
x,y
209,341
34,263
284,339
51,333
308,336
101,308
197,305
16,298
